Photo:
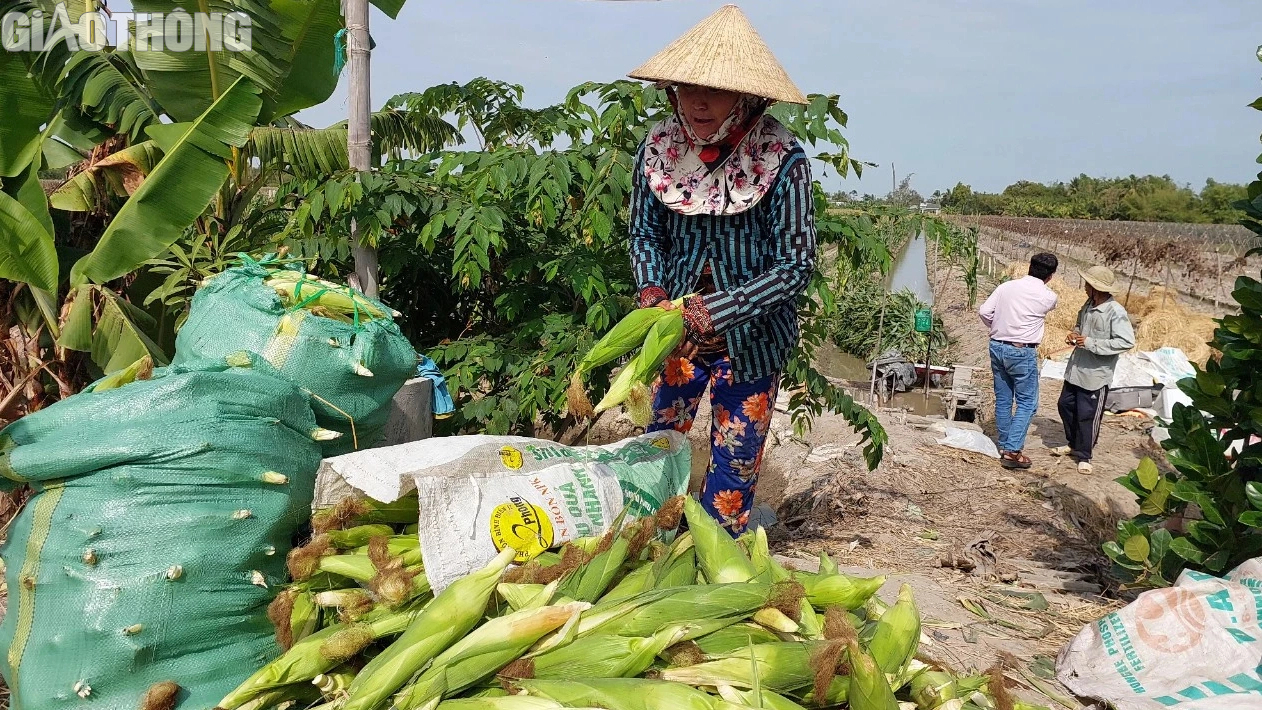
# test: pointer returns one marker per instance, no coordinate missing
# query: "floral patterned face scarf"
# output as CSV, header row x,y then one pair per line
x,y
726,175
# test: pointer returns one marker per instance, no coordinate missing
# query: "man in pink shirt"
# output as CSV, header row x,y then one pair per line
x,y
1014,313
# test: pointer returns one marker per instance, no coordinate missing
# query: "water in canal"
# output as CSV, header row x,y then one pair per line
x,y
910,272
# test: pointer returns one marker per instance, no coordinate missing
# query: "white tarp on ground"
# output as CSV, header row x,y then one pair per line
x,y
966,440
1136,369
1193,646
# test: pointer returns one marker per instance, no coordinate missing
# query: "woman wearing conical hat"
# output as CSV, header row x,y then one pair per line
x,y
723,208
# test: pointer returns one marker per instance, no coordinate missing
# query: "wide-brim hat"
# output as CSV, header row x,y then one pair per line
x,y
1101,279
724,52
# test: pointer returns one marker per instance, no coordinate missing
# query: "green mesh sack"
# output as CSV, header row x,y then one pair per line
x,y
154,540
352,367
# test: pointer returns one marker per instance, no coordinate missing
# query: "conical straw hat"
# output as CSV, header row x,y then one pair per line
x,y
723,52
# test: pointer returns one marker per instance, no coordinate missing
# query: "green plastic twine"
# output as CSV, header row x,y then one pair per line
x,y
339,52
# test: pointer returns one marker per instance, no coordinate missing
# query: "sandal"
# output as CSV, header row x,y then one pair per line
x,y
1015,460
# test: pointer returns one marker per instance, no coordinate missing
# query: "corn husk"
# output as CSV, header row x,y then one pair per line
x,y
897,635
620,387
638,581
838,589
932,689
732,638
512,702
764,699
360,536
826,564
522,596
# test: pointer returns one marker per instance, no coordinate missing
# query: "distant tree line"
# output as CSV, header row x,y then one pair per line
x,y
1142,199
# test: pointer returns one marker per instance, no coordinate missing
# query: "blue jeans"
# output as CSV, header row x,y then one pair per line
x,y
1016,373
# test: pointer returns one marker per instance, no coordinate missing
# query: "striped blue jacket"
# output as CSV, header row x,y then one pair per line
x,y
761,259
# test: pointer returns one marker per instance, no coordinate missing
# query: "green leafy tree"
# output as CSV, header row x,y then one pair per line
x,y
509,260
1206,515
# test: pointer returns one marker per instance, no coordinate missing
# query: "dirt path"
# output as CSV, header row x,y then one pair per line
x,y
955,524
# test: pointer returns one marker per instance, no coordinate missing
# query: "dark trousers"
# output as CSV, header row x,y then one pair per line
x,y
1082,412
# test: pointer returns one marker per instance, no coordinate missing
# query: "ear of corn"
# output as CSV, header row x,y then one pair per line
x,y
307,659
323,298
334,684
838,589
450,616
868,690
621,694
662,339
589,582
599,657
780,666
620,387
696,603
356,539
483,652
627,335
776,620
718,555
897,634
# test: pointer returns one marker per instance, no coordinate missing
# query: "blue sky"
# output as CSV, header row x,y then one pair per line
x,y
980,91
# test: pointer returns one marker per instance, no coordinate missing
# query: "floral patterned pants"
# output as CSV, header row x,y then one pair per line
x,y
741,413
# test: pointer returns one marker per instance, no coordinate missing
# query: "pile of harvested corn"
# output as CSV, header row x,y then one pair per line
x,y
626,621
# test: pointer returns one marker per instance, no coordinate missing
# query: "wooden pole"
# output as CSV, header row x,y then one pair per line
x,y
1218,285
880,334
929,356
359,131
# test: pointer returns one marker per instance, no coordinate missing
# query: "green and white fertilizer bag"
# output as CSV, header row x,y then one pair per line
x,y
156,536
351,360
480,494
1193,646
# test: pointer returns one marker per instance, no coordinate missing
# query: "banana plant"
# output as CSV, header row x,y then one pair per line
x,y
170,145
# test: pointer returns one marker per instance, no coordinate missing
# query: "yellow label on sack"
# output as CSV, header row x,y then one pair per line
x,y
511,458
662,443
522,526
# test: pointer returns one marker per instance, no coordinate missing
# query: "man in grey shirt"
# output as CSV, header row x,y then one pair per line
x,y
1103,333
